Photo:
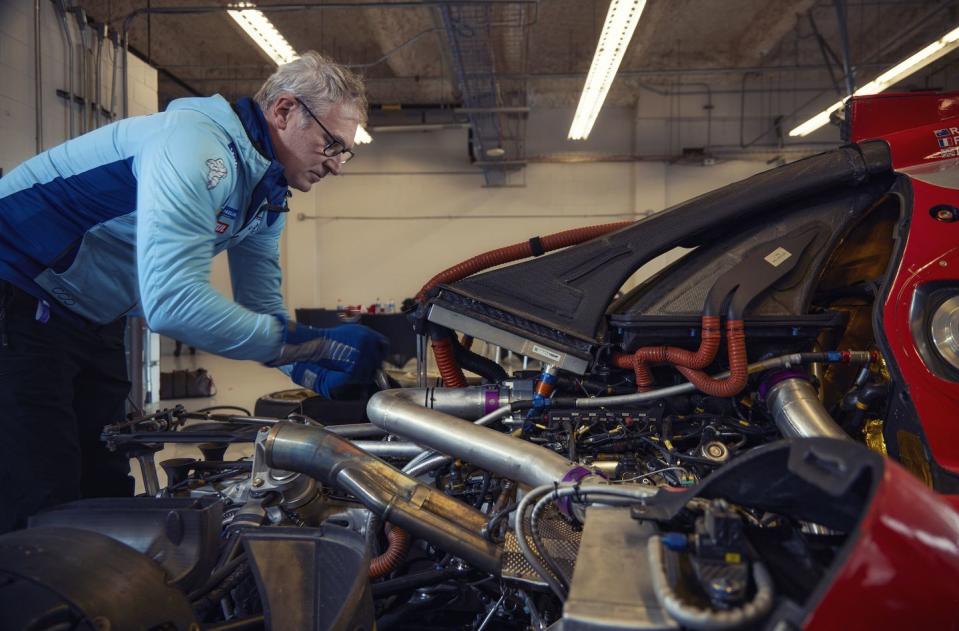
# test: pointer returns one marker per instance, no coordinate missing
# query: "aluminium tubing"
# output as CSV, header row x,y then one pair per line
x,y
321,454
443,532
399,413
393,496
468,403
798,413
693,617
390,449
782,361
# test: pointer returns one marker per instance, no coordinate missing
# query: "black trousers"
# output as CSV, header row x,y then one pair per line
x,y
60,383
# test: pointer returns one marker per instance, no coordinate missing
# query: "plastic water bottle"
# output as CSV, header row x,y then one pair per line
x,y
391,306
339,305
379,306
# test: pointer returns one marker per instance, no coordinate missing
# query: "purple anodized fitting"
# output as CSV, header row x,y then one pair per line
x,y
575,475
490,399
778,377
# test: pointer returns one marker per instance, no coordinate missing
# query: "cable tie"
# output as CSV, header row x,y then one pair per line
x,y
536,246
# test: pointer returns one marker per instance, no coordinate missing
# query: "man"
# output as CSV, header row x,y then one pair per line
x,y
125,220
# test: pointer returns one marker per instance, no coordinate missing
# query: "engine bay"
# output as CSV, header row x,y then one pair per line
x,y
697,452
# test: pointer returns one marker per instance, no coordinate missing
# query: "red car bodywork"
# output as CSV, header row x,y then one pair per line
x,y
902,570
922,131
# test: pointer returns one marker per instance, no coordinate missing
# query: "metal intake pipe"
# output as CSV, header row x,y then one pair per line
x,y
401,412
796,409
423,511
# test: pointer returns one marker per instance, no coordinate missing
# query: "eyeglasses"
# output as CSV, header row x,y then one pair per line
x,y
334,148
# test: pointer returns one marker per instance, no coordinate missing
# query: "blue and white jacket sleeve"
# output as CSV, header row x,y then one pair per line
x,y
255,270
177,202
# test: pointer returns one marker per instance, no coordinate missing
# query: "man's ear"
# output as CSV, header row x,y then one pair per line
x,y
282,111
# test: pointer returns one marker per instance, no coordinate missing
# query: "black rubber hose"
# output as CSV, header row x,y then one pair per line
x,y
414,581
482,366
216,578
489,529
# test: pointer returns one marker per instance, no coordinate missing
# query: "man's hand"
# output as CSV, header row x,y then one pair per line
x,y
351,349
318,379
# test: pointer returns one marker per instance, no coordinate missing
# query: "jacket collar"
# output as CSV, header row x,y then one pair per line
x,y
273,187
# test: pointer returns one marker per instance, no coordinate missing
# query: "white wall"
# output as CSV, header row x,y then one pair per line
x,y
18,102
410,205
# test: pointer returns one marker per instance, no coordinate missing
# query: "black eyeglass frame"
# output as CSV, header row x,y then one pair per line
x,y
343,151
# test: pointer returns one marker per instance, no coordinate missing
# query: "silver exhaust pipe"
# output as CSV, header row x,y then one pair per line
x,y
796,409
424,511
401,412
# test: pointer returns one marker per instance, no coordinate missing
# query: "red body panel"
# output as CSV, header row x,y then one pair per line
x,y
902,571
883,114
931,254
922,131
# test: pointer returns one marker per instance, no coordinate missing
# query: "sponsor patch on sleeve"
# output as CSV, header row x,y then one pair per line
x,y
216,171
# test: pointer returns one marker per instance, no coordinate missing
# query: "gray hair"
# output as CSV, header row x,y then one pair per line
x,y
318,81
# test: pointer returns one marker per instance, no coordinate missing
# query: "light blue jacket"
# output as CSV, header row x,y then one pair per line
x,y
125,220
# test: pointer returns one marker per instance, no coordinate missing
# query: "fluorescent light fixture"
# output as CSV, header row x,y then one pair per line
x,y
362,136
621,21
939,48
261,30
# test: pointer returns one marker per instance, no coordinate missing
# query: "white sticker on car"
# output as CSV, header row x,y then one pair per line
x,y
548,354
778,256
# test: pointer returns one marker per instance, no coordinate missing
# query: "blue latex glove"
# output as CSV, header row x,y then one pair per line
x,y
318,379
352,349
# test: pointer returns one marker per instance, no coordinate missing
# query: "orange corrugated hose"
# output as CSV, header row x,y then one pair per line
x,y
702,357
690,363
449,370
738,366
399,544
518,251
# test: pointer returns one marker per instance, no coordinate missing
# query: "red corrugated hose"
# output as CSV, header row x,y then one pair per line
x,y
399,545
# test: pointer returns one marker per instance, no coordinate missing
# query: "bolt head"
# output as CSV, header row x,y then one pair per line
x,y
944,214
257,482
943,263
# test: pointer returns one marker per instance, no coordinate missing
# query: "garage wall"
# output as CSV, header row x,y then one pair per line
x,y
18,103
411,205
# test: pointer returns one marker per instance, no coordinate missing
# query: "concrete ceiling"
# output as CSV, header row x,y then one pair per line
x,y
404,52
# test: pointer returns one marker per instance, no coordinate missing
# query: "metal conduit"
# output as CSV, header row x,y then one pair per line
x,y
398,412
426,512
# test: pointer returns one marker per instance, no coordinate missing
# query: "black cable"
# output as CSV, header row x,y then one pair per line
x,y
489,529
229,551
540,549
483,490
414,581
531,555
216,578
